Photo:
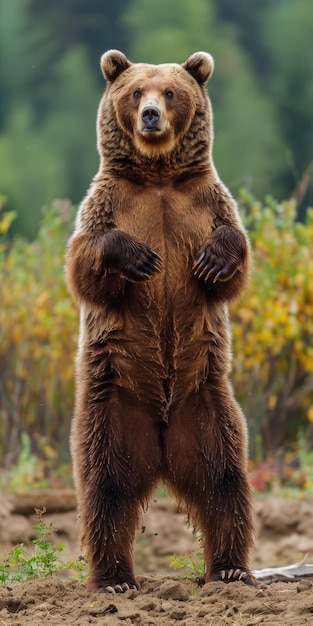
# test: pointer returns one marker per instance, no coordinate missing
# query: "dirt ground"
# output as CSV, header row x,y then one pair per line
x,y
284,534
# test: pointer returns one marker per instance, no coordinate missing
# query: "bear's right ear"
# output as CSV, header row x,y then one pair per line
x,y
113,63
200,65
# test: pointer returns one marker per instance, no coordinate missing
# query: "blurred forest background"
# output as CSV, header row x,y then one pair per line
x,y
262,94
50,86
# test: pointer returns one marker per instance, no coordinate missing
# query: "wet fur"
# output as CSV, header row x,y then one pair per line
x,y
158,252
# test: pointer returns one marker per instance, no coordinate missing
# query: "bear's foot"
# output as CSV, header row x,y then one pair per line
x,y
111,586
119,588
233,574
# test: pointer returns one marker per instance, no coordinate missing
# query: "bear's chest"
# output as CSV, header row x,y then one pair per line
x,y
170,220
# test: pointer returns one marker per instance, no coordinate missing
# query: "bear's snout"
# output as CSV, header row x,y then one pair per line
x,y
150,116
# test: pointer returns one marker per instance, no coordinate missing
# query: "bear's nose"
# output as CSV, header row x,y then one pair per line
x,y
150,116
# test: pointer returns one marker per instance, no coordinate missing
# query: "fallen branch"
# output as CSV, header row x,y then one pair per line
x,y
55,501
289,572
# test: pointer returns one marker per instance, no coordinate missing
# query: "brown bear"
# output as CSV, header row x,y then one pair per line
x,y
158,252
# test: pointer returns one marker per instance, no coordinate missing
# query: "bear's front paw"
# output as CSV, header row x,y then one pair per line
x,y
221,257
134,259
212,267
140,262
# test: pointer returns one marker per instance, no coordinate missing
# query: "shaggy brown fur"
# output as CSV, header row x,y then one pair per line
x,y
157,253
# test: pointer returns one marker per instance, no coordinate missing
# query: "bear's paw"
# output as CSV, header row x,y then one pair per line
x,y
134,259
233,574
222,256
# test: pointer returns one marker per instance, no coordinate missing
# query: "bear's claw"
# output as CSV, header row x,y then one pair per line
x,y
144,263
210,268
234,574
115,588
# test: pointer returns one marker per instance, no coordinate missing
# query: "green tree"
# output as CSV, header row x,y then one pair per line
x,y
249,19
92,25
288,33
57,157
11,55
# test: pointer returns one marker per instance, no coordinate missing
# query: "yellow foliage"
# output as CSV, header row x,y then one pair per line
x,y
38,325
273,322
272,401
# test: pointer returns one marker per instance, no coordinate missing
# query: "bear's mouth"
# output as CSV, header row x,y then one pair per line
x,y
151,130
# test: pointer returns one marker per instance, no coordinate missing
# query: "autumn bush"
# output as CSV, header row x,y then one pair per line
x,y
38,326
273,327
272,333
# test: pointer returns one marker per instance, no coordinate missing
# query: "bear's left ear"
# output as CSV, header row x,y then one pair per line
x,y
200,65
113,63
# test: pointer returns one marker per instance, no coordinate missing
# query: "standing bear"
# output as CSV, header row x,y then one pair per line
x,y
158,252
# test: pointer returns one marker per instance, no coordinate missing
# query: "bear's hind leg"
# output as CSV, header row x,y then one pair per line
x,y
207,467
116,464
108,537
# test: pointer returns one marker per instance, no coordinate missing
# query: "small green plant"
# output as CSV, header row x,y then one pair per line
x,y
192,562
18,565
78,568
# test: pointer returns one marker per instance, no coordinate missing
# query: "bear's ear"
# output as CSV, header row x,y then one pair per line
x,y
113,63
200,65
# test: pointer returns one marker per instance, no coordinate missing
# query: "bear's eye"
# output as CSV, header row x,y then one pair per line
x,y
137,94
169,94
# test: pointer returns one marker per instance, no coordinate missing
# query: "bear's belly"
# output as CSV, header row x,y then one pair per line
x,y
159,350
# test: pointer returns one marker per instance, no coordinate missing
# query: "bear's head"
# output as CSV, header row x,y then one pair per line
x,y
154,106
